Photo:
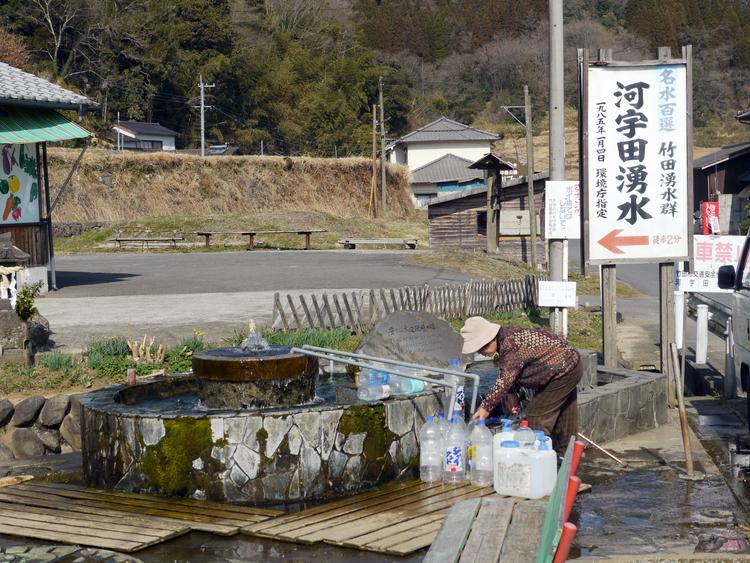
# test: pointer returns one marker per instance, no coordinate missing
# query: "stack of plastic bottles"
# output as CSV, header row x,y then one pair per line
x,y
524,466
378,384
517,463
373,385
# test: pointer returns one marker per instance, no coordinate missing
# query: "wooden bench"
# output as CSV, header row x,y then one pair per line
x,y
144,240
351,243
251,235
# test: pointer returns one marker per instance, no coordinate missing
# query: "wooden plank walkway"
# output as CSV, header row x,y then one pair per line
x,y
112,520
489,530
397,519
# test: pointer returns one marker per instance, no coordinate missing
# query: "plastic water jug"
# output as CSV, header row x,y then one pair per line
x,y
525,436
539,435
524,472
430,452
479,453
505,460
458,414
545,469
373,392
454,467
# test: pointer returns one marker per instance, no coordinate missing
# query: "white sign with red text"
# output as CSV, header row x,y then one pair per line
x,y
709,253
637,190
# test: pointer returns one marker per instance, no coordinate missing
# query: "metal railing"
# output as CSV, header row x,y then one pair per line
x,y
369,362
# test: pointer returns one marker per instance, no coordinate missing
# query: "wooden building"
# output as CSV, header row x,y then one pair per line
x,y
460,219
724,176
28,121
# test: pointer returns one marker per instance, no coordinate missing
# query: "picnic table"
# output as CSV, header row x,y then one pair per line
x,y
351,243
144,240
251,235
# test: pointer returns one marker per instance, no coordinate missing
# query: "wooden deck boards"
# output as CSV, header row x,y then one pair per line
x,y
110,520
398,519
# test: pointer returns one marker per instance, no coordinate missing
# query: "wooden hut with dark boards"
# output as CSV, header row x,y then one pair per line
x,y
28,121
460,219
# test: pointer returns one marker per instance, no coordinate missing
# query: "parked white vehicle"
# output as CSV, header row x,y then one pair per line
x,y
739,280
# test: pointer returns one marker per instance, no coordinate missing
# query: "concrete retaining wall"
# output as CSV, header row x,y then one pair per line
x,y
624,402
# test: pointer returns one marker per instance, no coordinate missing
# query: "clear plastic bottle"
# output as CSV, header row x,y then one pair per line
x,y
458,414
406,385
373,392
540,435
454,469
479,453
430,452
525,436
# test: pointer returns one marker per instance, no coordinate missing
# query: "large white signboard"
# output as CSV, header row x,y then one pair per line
x,y
19,184
562,210
637,192
709,253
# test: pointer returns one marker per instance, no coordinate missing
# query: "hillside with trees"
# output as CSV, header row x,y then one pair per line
x,y
302,75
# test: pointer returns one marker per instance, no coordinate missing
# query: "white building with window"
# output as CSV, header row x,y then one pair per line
x,y
138,136
438,155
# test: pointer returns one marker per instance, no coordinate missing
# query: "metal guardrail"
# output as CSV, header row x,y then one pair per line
x,y
370,362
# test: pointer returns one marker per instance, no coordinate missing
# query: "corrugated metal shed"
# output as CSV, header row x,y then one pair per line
x,y
446,168
21,88
444,129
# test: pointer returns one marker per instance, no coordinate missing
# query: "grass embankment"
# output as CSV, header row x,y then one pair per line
x,y
162,192
106,361
476,264
337,227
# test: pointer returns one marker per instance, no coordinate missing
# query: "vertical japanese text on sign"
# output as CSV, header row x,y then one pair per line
x,y
637,176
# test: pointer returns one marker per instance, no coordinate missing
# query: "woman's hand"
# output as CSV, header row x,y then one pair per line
x,y
480,414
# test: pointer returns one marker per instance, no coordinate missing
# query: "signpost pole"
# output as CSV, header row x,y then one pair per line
x,y
666,324
530,175
609,314
556,139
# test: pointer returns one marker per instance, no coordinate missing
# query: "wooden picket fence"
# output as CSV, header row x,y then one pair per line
x,y
360,310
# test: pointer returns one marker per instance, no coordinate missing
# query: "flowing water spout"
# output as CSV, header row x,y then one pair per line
x,y
254,341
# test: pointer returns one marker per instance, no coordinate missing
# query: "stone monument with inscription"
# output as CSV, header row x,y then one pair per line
x,y
416,337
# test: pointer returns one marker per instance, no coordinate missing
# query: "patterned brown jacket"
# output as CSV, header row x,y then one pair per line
x,y
529,357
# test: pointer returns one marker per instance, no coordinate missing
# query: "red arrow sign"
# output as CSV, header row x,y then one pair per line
x,y
612,242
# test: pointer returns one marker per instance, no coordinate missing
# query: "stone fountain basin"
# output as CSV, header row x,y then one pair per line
x,y
151,438
235,378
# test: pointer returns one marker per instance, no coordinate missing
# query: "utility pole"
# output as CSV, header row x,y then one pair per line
x,y
118,143
203,107
556,143
530,174
374,180
261,147
382,150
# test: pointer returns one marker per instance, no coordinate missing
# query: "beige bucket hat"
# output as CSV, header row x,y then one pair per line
x,y
477,332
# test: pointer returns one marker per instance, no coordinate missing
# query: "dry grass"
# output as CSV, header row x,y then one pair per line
x,y
124,186
473,263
